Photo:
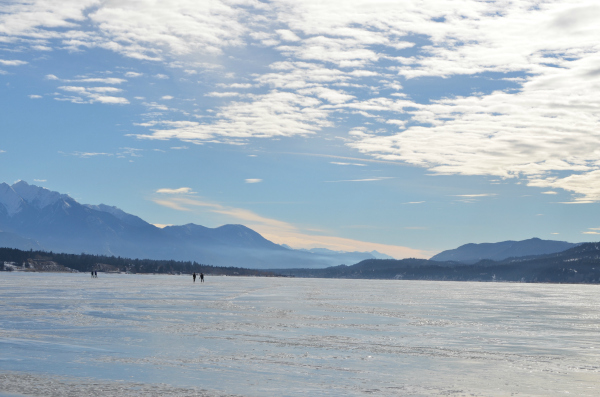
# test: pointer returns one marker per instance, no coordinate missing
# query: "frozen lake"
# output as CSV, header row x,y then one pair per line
x,y
134,335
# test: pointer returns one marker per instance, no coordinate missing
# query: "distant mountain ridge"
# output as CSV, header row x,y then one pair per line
x,y
580,264
33,217
473,253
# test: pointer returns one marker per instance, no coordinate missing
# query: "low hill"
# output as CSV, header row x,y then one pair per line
x,y
473,253
580,264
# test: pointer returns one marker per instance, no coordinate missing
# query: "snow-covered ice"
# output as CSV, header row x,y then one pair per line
x,y
136,335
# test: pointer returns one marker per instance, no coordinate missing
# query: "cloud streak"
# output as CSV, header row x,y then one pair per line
x,y
381,178
286,233
181,190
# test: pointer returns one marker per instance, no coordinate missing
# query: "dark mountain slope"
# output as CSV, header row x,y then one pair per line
x,y
580,264
15,241
472,253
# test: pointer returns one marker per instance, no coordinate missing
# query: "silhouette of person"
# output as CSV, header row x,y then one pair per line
x,y
92,274
96,274
201,277
194,276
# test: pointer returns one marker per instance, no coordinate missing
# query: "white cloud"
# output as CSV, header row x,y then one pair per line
x,y
110,100
103,80
287,35
104,89
222,94
167,97
584,185
235,85
339,55
161,76
33,96
144,30
342,163
129,152
333,96
380,178
90,154
475,195
38,47
133,74
181,190
12,62
93,94
253,180
155,106
275,114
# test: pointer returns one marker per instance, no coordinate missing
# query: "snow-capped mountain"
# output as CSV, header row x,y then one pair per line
x,y
35,216
21,197
11,202
38,197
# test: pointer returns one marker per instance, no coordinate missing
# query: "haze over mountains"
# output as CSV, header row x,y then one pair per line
x,y
580,264
33,217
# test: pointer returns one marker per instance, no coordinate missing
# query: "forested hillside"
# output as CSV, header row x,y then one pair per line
x,y
36,260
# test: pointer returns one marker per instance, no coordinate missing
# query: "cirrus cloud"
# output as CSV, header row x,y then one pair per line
x,y
181,190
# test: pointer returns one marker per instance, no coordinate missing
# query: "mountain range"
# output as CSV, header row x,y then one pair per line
x,y
580,264
33,217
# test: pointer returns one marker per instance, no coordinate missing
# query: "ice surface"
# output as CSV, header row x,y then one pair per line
x,y
137,335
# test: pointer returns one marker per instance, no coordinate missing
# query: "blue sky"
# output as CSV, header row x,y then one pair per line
x,y
404,127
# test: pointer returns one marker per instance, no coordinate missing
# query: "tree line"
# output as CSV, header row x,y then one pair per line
x,y
88,262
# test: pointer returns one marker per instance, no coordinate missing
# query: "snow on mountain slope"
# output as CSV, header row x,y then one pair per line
x,y
10,200
120,214
38,197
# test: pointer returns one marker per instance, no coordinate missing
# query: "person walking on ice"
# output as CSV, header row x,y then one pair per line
x,y
194,276
201,277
